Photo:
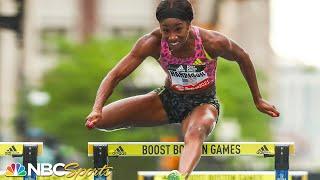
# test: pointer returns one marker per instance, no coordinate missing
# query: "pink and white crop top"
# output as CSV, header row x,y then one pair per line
x,y
191,73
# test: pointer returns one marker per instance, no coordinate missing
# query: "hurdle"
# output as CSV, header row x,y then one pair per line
x,y
280,151
28,150
223,175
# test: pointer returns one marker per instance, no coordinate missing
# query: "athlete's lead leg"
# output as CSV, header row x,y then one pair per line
x,y
196,129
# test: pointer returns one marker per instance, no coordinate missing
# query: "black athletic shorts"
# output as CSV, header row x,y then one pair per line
x,y
178,106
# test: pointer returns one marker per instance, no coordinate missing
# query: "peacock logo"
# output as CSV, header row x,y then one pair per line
x,y
16,169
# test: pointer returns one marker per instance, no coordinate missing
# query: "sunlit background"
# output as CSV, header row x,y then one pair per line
x,y
295,31
55,53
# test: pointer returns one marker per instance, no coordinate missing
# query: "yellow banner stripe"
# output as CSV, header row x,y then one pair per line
x,y
16,148
227,175
175,148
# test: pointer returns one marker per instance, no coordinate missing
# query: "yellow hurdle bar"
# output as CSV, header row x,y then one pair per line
x,y
175,148
16,148
223,175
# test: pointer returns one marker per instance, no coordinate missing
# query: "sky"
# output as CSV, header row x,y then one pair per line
x,y
295,30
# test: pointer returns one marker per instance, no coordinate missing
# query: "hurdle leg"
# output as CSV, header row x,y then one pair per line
x,y
30,153
281,162
100,159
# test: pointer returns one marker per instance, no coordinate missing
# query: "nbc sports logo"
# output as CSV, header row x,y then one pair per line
x,y
16,169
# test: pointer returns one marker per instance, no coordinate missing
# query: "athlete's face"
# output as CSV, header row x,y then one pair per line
x,y
175,31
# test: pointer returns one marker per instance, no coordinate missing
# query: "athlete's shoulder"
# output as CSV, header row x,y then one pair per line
x,y
156,33
212,37
213,40
149,44
151,39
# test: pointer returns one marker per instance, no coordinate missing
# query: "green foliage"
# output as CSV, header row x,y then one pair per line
x,y
236,100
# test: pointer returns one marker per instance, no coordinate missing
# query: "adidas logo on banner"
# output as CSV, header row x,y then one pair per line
x,y
263,150
119,151
11,151
180,68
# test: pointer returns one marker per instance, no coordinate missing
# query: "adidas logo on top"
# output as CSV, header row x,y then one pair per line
x,y
119,151
11,151
180,68
263,150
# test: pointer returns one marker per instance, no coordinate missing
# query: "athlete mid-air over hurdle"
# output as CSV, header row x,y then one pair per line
x,y
188,54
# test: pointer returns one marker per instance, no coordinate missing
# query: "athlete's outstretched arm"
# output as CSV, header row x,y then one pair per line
x,y
229,50
145,46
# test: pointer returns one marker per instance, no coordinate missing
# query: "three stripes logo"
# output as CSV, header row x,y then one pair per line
x,y
263,150
11,151
119,152
180,68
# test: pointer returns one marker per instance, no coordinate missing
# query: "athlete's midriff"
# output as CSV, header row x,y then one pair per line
x,y
209,88
189,75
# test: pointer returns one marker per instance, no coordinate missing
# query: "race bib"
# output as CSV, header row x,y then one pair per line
x,y
188,77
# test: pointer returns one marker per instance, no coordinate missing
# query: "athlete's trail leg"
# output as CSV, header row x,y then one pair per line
x,y
137,111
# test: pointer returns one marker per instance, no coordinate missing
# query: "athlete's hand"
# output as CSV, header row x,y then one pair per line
x,y
263,106
93,118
